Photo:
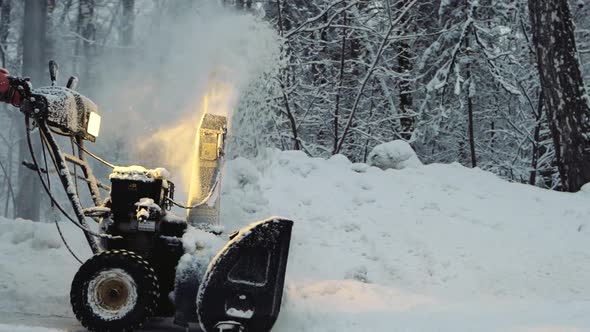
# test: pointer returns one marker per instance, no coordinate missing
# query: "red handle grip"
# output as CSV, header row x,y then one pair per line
x,y
8,91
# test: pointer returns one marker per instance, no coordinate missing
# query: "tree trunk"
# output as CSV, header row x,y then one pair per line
x,y
128,22
471,131
5,9
5,6
565,99
280,23
87,31
404,67
470,106
244,4
405,91
50,41
336,117
34,42
291,117
536,142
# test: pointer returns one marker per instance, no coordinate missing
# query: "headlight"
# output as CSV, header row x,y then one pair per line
x,y
93,127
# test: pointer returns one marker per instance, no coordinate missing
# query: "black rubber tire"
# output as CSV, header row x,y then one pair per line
x,y
146,291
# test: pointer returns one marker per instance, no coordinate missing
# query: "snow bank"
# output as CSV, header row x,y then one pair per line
x,y
26,234
395,154
35,268
432,248
199,247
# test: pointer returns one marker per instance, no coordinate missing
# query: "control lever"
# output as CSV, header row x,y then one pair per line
x,y
53,71
72,83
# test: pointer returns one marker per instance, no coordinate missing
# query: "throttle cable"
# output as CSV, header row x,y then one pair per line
x,y
63,239
59,207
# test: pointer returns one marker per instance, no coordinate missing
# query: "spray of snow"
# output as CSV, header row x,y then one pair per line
x,y
198,61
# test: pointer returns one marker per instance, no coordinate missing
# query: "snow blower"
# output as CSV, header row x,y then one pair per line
x,y
137,246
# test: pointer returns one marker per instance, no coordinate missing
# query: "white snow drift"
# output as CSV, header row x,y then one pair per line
x,y
396,154
425,248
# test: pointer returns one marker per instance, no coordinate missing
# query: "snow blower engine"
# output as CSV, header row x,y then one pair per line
x,y
135,272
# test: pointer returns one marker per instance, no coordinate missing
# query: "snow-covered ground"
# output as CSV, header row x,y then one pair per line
x,y
23,328
430,248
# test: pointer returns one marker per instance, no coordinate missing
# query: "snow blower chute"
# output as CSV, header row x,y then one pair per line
x,y
133,274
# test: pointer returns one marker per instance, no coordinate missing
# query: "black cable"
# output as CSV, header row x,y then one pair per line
x,y
61,235
59,207
184,206
203,201
63,210
106,163
95,156
63,239
180,205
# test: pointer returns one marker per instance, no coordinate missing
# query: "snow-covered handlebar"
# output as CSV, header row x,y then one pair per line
x,y
66,111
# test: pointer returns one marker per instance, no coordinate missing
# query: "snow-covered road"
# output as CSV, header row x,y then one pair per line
x,y
433,248
23,322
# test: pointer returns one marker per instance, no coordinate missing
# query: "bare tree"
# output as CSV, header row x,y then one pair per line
x,y
34,43
128,22
565,99
5,8
404,67
86,31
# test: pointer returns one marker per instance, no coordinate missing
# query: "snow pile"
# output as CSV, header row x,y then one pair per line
x,y
432,248
35,268
199,247
28,235
196,240
395,154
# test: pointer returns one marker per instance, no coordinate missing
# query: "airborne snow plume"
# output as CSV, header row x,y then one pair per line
x,y
169,68
162,84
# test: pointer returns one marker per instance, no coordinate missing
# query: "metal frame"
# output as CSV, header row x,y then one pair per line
x,y
64,175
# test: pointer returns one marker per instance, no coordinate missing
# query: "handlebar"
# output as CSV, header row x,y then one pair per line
x,y
66,111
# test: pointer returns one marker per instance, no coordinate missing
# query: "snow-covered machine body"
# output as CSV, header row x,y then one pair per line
x,y
68,112
134,273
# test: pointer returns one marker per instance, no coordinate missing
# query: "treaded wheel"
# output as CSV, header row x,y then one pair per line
x,y
115,290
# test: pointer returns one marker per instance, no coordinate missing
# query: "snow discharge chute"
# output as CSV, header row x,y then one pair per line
x,y
141,244
194,148
208,154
